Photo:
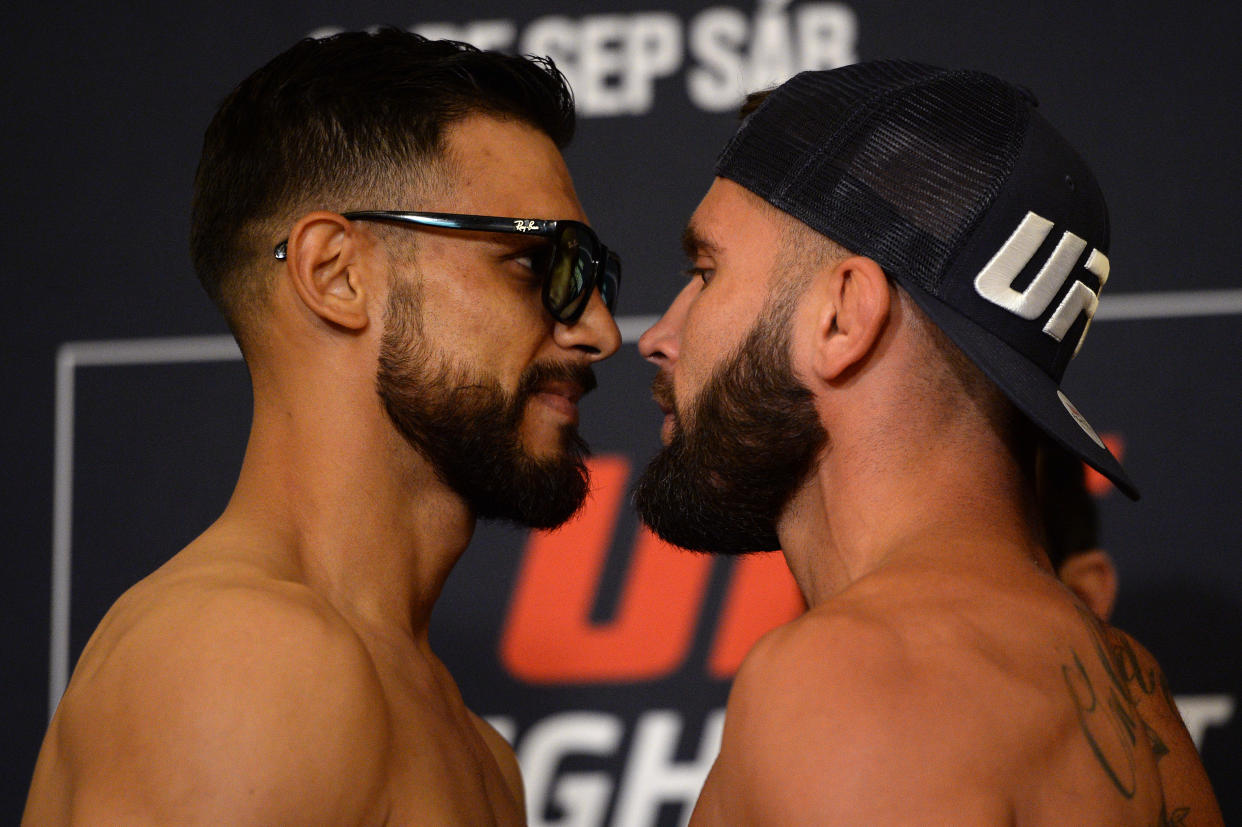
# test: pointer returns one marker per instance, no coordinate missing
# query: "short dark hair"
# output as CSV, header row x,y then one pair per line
x,y
335,123
752,102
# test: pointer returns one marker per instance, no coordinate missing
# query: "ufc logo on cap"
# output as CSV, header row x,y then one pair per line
x,y
995,280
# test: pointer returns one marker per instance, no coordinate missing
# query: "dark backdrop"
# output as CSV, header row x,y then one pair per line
x,y
126,409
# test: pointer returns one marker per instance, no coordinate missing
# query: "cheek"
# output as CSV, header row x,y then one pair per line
x,y
703,341
465,314
715,325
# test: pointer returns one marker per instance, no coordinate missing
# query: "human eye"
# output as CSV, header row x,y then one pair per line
x,y
703,273
534,260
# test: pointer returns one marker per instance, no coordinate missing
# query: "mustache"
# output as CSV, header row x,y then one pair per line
x,y
662,392
543,373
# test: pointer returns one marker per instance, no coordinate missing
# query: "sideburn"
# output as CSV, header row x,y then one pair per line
x,y
467,426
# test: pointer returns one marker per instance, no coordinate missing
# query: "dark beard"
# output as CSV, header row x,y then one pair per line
x,y
468,428
747,442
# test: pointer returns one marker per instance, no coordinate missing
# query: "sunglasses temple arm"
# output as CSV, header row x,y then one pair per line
x,y
454,221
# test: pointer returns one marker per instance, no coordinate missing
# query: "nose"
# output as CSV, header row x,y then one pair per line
x,y
595,333
661,343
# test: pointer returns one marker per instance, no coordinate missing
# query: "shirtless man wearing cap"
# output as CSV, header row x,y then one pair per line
x,y
889,275
390,230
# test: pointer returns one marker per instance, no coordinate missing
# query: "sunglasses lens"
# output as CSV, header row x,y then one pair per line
x,y
570,274
575,271
610,284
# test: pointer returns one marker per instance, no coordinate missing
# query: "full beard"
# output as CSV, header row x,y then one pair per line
x,y
745,445
468,427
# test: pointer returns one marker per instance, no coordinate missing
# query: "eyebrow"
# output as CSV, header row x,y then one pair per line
x,y
694,242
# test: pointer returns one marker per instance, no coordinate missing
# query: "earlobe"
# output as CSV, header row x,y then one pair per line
x,y
324,266
855,302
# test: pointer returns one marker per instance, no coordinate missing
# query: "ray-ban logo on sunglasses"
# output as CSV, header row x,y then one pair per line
x,y
995,281
526,226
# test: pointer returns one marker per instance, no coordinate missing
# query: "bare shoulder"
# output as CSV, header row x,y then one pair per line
x,y
815,678
1188,795
221,698
502,750
802,658
841,694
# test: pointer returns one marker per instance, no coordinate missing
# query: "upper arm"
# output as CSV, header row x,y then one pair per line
x,y
502,750
1183,779
245,707
825,724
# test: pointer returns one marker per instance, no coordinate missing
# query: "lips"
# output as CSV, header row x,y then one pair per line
x,y
560,395
570,391
558,385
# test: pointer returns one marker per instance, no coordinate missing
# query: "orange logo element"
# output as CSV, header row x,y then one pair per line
x,y
550,638
1097,483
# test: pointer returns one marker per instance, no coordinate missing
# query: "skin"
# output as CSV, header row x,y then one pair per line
x,y
1092,577
278,669
941,673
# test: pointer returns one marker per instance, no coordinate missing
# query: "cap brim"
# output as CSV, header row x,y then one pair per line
x,y
1028,387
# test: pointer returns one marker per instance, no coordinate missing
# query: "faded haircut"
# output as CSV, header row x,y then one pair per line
x,y
353,121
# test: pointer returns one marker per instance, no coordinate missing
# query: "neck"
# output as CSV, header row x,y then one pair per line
x,y
333,498
867,508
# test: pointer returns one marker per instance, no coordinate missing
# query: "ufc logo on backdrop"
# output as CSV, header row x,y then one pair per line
x,y
549,636
995,281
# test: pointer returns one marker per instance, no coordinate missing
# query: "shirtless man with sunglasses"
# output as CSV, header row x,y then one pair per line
x,y
389,228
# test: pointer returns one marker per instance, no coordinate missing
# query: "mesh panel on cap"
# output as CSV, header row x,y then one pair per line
x,y
892,160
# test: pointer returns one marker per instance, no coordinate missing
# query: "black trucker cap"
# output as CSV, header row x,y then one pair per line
x,y
966,196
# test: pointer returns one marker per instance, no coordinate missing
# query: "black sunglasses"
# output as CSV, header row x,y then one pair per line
x,y
573,265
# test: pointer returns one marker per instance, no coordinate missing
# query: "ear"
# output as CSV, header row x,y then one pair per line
x,y
855,298
324,264
1092,576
